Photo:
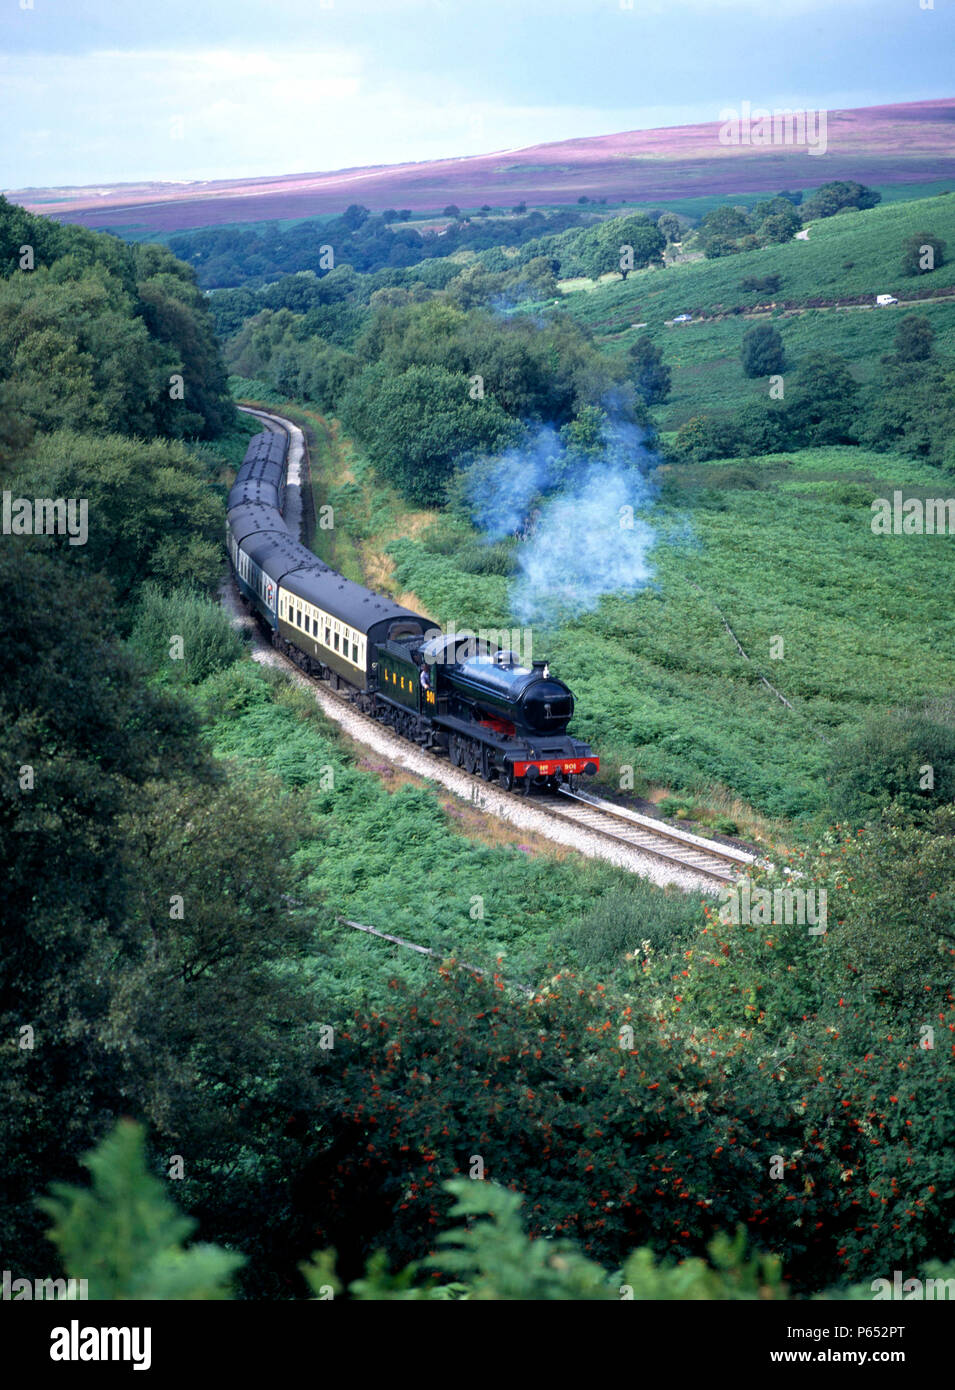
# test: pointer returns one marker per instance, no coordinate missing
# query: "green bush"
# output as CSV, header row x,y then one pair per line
x,y
209,643
904,758
762,351
620,922
124,1236
724,826
497,558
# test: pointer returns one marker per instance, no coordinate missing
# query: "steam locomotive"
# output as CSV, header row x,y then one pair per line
x,y
454,693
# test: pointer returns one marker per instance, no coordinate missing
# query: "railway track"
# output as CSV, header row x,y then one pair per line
x,y
722,862
687,858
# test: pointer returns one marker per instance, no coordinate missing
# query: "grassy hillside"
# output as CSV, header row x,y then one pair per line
x,y
705,357
853,254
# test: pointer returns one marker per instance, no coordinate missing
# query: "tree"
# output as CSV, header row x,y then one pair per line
x,y
722,231
419,424
780,226
452,210
165,522
912,409
904,759
762,351
124,1230
914,338
838,195
671,227
705,437
650,377
922,253
540,276
764,427
821,406
355,216
139,940
622,244
777,208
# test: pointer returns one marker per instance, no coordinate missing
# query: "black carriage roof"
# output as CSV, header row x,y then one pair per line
x,y
349,602
245,518
277,554
253,490
267,444
270,469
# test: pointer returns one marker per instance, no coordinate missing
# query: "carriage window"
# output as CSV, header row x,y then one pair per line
x,y
354,652
336,641
328,637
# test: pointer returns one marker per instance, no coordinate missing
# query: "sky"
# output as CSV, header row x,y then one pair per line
x,y
108,91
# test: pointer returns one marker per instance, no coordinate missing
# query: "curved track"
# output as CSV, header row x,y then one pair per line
x,y
596,827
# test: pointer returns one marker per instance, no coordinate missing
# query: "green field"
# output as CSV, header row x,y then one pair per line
x,y
852,254
705,357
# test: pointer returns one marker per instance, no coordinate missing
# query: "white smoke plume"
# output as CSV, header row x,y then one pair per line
x,y
576,513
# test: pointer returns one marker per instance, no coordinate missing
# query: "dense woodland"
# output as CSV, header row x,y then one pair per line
x,y
177,860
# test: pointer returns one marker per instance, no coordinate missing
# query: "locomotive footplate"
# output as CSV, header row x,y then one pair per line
x,y
563,757
551,766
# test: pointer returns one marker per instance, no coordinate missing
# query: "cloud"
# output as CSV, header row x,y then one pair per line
x,y
155,114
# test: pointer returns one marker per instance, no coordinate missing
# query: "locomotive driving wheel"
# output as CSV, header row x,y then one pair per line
x,y
454,750
472,756
505,778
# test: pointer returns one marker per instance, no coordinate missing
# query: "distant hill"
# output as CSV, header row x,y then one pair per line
x,y
907,143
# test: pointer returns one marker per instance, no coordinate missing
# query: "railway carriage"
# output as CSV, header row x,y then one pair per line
x,y
338,625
